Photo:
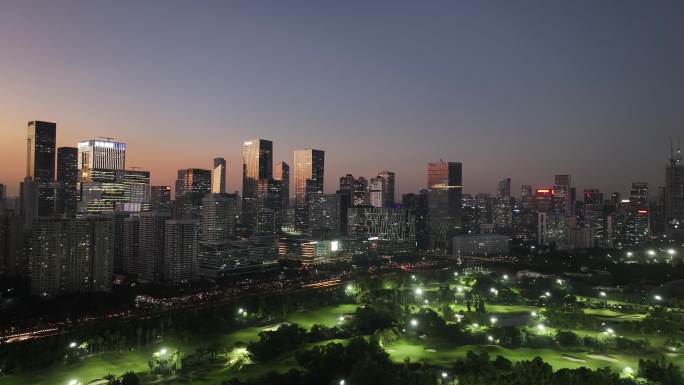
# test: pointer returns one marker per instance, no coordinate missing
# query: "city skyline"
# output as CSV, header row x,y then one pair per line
x,y
518,88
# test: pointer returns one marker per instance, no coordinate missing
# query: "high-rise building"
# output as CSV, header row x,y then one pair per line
x,y
180,251
444,202
151,239
563,192
269,206
103,191
552,220
70,255
41,145
393,228
67,179
160,198
308,181
218,219
593,215
191,186
257,164
281,173
674,195
417,204
324,215
40,164
376,192
101,154
131,245
28,202
388,178
218,176
524,217
503,211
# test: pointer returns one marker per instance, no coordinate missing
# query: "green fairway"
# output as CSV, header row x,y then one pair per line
x,y
328,316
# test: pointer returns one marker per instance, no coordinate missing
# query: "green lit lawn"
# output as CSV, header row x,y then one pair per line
x,y
328,316
99,365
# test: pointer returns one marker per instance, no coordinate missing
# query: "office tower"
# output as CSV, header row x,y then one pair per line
x,y
394,229
218,176
67,179
470,215
269,207
638,194
151,239
41,144
552,220
217,226
376,192
101,154
308,179
28,201
444,202
219,212
282,173
524,217
343,201
417,204
593,215
563,193
191,186
674,194
105,191
503,211
3,194
324,215
40,164
160,198
131,245
180,251
257,164
358,190
388,188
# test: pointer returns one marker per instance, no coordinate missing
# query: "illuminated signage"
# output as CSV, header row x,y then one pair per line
x,y
642,212
104,144
544,191
334,245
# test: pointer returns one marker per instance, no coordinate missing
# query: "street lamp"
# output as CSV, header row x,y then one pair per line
x,y
657,297
533,314
651,252
602,294
414,322
72,345
342,382
74,382
541,327
671,251
493,320
505,277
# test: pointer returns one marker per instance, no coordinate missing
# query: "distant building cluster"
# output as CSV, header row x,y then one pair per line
x,y
83,216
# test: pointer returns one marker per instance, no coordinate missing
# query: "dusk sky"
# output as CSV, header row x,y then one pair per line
x,y
520,89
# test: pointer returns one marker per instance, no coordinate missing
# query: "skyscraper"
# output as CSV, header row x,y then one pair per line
x,y
257,164
218,217
444,202
101,154
218,176
160,198
388,188
269,207
41,145
40,164
376,191
180,251
191,186
67,178
308,179
282,173
674,194
152,237
503,210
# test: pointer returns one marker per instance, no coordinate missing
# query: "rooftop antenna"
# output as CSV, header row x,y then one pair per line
x,y
134,168
106,137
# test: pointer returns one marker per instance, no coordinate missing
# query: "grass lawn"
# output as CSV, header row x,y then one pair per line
x,y
442,354
328,316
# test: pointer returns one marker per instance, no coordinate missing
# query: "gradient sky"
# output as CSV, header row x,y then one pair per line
x,y
520,89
